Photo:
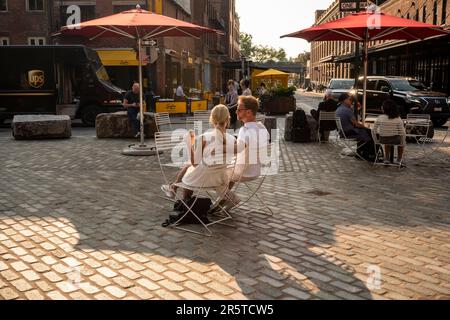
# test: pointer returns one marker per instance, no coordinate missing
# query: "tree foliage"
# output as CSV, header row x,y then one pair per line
x,y
259,53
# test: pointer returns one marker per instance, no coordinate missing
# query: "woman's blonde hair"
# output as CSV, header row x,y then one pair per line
x,y
220,115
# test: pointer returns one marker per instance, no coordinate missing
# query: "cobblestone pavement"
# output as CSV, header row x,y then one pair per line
x,y
80,221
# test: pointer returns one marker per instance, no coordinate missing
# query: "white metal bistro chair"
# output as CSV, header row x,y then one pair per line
x,y
348,143
269,164
388,135
260,118
202,115
163,122
172,152
417,128
325,116
438,141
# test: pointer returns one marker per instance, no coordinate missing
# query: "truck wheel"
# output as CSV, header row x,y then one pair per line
x,y
439,122
89,114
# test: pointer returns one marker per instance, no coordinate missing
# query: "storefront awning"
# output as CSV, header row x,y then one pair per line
x,y
117,58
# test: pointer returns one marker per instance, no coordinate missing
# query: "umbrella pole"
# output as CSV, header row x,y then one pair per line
x,y
366,47
141,105
141,149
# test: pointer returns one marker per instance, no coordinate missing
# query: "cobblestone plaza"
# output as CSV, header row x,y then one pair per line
x,y
80,221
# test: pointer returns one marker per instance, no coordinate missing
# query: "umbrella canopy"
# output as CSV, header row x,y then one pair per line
x,y
140,25
271,73
369,26
136,23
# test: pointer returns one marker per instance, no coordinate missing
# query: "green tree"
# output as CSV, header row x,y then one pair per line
x,y
260,53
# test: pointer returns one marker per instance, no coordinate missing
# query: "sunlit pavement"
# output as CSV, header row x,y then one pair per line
x,y
80,221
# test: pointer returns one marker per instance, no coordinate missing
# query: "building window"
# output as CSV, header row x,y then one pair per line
x,y
4,41
417,15
444,12
435,13
3,5
424,13
36,41
35,5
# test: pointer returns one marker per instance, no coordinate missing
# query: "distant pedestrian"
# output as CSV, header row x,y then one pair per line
x,y
245,88
231,101
180,96
262,89
132,103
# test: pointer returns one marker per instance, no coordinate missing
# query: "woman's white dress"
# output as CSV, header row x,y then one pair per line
x,y
213,169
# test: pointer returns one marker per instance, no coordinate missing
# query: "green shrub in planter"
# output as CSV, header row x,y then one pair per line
x,y
283,91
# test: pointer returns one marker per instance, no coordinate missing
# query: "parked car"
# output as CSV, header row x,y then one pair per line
x,y
340,86
410,95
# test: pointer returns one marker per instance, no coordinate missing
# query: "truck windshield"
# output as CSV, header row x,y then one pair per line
x,y
402,85
341,84
102,74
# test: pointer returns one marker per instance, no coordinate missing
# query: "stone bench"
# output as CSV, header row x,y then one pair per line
x,y
30,127
117,125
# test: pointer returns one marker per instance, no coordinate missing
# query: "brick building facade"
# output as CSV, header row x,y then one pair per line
x,y
335,59
197,63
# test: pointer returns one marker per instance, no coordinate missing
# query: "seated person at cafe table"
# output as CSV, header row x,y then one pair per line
x,y
391,117
352,127
327,105
180,96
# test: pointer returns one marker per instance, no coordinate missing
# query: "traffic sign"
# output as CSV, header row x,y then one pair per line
x,y
150,43
352,5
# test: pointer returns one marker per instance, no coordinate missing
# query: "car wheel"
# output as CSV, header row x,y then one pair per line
x,y
89,114
439,122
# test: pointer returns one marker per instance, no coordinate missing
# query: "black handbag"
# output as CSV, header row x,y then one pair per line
x,y
200,208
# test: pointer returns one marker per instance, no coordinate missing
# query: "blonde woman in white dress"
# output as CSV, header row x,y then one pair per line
x,y
212,148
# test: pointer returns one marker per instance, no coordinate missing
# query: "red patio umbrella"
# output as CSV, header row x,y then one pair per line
x,y
140,25
369,26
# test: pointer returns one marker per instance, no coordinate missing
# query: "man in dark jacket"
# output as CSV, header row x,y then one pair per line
x,y
328,105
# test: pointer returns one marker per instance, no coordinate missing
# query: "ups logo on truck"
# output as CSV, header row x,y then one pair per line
x,y
36,78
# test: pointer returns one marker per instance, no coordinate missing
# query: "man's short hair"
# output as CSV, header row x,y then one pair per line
x,y
343,97
250,103
230,82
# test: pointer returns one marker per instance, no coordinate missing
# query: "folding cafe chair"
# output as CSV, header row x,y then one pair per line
x,y
268,161
172,152
387,135
163,122
325,116
348,143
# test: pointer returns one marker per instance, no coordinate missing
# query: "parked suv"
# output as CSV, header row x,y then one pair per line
x,y
340,86
410,95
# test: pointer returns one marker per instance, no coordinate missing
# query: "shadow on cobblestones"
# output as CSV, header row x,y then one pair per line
x,y
81,199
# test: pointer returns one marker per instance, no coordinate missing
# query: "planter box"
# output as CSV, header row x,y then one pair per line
x,y
279,105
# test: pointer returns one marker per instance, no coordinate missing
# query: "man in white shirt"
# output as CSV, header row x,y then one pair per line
x,y
251,146
179,93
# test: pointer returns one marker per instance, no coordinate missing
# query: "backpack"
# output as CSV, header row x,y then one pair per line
x,y
301,135
299,119
200,208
